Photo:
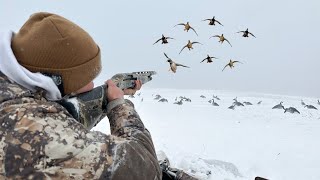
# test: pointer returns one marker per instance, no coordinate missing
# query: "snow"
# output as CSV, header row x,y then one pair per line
x,y
230,144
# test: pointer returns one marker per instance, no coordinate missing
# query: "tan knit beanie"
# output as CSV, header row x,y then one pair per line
x,y
49,43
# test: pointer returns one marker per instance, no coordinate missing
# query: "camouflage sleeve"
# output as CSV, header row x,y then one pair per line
x,y
41,140
123,118
140,153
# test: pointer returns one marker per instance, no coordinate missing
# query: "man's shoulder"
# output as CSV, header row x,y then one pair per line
x,y
11,90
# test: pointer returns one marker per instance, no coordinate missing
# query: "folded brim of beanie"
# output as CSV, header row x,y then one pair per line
x,y
76,77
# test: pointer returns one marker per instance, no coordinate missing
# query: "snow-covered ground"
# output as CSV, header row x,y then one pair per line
x,y
235,144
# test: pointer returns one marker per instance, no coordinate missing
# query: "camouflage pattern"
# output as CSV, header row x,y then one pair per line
x,y
41,140
170,173
126,80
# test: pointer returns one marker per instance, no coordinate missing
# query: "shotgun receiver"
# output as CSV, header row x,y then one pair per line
x,y
87,108
126,80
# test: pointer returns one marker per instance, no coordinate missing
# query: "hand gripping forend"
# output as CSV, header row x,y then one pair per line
x,y
126,80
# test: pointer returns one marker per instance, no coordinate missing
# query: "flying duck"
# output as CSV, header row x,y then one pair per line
x,y
187,27
163,39
231,64
246,33
173,65
189,45
209,59
212,21
221,39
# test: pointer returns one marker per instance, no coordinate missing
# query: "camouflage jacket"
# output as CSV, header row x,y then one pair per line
x,y
39,139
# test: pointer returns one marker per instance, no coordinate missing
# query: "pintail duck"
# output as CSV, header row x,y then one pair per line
x,y
221,39
231,64
291,110
157,97
278,106
311,107
231,107
163,39
163,100
187,27
173,65
183,98
209,59
178,102
212,21
237,103
246,33
247,103
214,103
189,45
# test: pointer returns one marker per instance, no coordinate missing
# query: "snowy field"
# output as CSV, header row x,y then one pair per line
x,y
214,142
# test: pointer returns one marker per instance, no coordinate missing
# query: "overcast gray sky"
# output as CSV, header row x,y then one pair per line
x,y
283,59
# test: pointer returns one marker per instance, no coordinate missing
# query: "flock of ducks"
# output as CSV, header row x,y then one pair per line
x,y
209,59
179,101
294,110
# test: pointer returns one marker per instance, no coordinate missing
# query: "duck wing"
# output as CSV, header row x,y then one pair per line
x,y
177,64
194,30
157,41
